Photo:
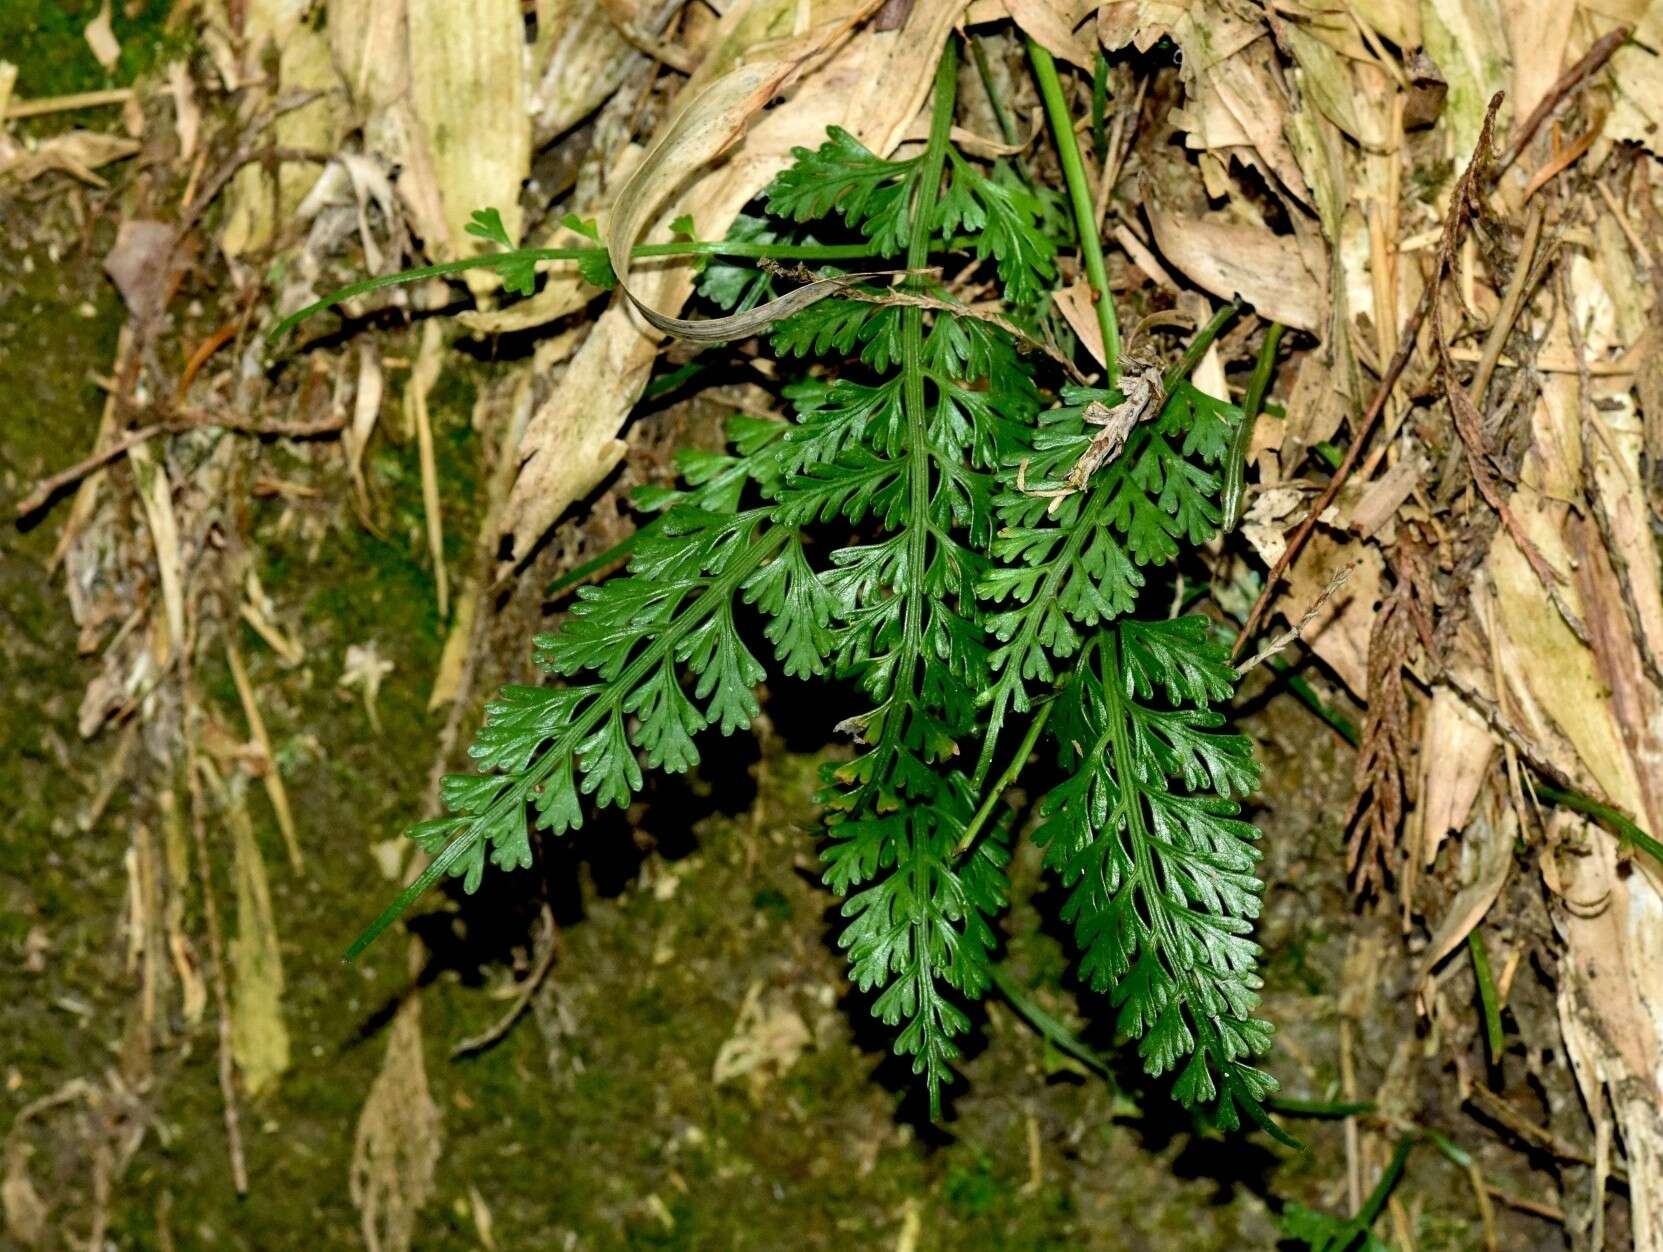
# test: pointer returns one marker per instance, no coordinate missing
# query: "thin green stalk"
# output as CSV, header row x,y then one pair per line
x,y
1235,466
978,54
687,247
1079,194
913,404
1050,1028
1615,818
1307,694
1453,1152
1376,1202
1100,109
1489,997
611,556
914,644
1012,771
1197,347
1319,1109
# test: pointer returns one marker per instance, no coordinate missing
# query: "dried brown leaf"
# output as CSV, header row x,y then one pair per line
x,y
582,58
1229,258
1386,752
1052,24
1609,921
1466,41
77,153
100,36
1456,749
396,1150
1487,856
259,1037
141,265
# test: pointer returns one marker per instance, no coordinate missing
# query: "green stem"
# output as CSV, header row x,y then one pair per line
x,y
978,54
1489,996
1321,1109
1197,347
611,556
694,248
1012,771
1117,735
913,406
1615,818
917,853
1235,466
1100,109
1050,1028
1307,695
1376,1202
1079,193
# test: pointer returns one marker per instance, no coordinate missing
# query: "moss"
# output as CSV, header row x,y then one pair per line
x,y
55,880
46,40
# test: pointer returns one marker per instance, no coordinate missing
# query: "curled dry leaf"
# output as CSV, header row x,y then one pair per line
x,y
571,442
77,153
711,122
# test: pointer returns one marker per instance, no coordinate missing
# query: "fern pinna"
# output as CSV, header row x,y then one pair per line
x,y
903,534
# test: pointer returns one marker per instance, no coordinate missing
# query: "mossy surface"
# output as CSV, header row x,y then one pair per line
x,y
46,40
596,1122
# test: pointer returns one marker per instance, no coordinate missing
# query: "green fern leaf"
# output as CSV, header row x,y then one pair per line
x,y
1160,868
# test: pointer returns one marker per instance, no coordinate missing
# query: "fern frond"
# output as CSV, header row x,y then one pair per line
x,y
843,175
667,660
890,537
1065,567
1146,835
1003,216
